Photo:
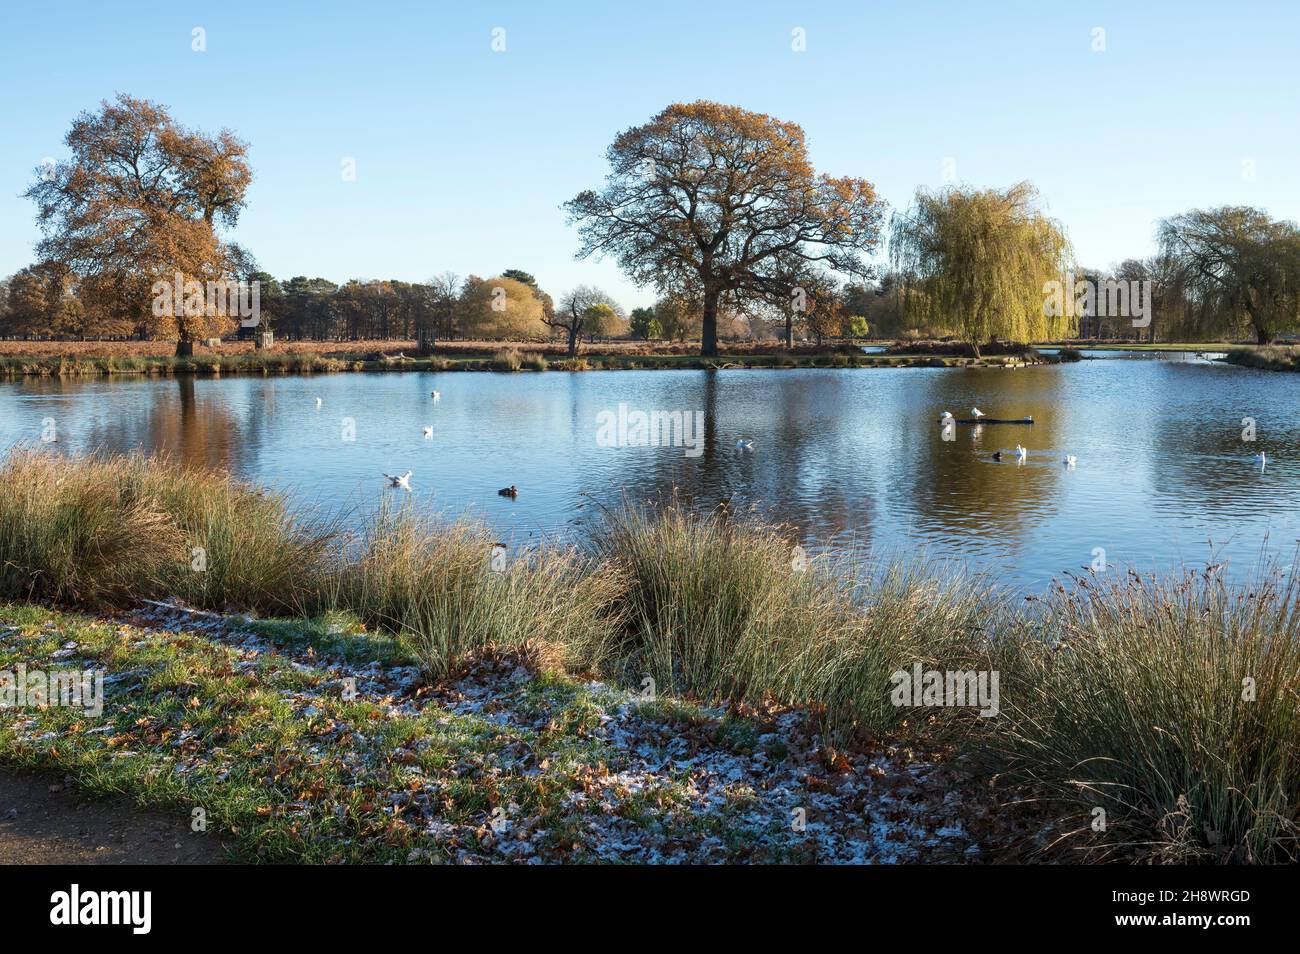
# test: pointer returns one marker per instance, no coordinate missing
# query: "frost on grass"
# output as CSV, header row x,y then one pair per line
x,y
500,764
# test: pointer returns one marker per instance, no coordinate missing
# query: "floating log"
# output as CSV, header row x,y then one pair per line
x,y
995,420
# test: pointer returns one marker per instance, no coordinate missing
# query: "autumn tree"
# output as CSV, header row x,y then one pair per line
x,y
141,200
43,302
821,307
678,317
501,308
605,320
981,261
708,200
1239,265
578,313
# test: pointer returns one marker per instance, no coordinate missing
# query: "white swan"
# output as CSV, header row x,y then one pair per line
x,y
436,395
403,482
318,402
744,444
1021,452
428,432
977,412
1263,459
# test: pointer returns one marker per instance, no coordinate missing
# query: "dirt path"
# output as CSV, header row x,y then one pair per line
x,y
45,822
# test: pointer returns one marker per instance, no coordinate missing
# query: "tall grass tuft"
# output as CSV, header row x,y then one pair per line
x,y
507,359
448,590
81,532
727,610
108,530
1174,704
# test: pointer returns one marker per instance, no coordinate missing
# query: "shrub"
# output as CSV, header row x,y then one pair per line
x,y
507,359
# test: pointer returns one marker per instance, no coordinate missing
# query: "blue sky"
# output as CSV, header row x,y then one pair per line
x,y
463,155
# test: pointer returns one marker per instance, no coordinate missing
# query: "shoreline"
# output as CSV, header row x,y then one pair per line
x,y
507,359
307,363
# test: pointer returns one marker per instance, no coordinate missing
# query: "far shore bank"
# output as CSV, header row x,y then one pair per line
x,y
109,359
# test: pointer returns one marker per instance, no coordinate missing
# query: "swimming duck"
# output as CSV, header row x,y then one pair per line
x,y
511,491
997,455
403,482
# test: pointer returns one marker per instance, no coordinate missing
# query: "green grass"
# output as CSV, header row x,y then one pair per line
x,y
286,770
1125,696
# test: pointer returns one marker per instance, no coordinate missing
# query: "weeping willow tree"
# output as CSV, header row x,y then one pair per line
x,y
979,262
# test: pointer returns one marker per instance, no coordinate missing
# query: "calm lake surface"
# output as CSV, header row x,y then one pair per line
x,y
851,458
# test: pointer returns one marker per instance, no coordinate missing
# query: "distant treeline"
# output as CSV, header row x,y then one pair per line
x,y
141,203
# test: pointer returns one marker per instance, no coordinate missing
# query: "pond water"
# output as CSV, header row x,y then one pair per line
x,y
851,458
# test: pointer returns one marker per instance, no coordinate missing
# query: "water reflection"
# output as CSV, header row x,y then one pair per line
x,y
850,458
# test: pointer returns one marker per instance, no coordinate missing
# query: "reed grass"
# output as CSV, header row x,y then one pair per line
x,y
1173,704
725,609
449,589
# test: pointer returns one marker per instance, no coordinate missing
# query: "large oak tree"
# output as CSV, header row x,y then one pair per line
x,y
141,199
706,201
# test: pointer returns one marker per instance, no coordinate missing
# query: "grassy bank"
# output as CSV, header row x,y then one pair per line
x,y
1271,358
16,364
1125,695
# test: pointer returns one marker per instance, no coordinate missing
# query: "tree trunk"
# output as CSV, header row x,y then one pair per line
x,y
975,346
1263,337
184,348
789,331
573,341
709,329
